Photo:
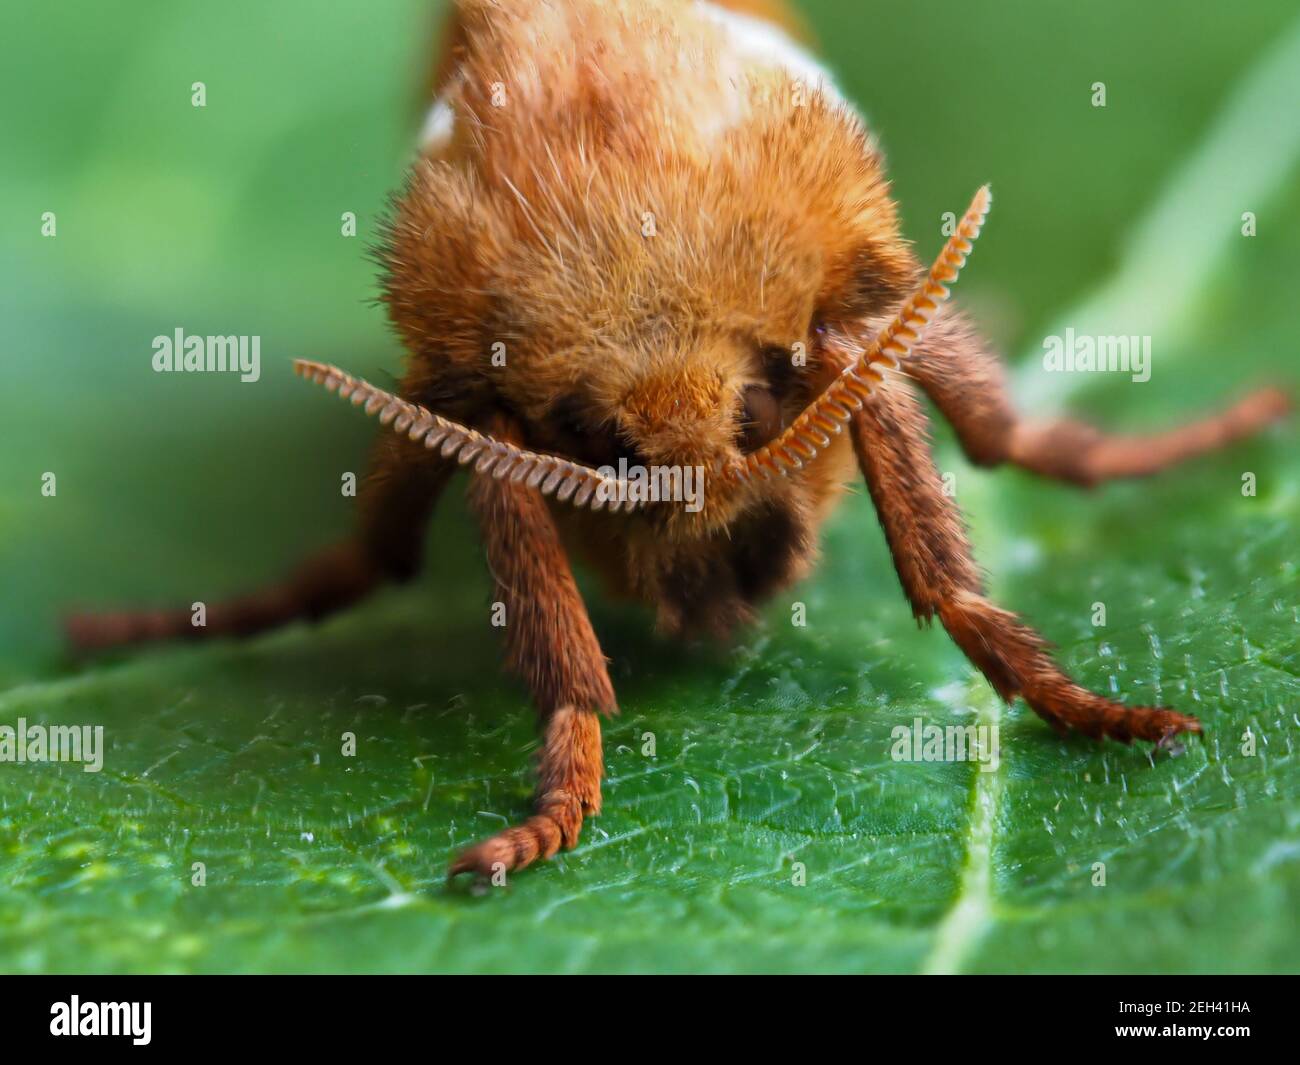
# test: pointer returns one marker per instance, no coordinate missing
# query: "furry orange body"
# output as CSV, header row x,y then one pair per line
x,y
649,223
652,230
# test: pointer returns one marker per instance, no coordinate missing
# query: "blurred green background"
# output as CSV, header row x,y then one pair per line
x,y
226,219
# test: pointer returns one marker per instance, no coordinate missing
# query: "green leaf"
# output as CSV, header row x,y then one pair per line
x,y
770,756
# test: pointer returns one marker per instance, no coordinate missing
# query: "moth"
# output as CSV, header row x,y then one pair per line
x,y
652,235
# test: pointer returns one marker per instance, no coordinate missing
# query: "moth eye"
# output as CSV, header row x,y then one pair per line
x,y
760,418
586,438
567,417
780,368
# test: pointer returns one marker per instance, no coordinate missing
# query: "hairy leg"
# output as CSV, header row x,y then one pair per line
x,y
551,644
934,562
395,503
966,381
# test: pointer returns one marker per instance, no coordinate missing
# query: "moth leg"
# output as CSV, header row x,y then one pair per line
x,y
967,383
395,502
934,562
551,644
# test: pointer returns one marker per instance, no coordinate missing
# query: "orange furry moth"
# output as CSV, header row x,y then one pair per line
x,y
680,237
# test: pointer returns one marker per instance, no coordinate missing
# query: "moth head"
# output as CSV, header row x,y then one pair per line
x,y
638,268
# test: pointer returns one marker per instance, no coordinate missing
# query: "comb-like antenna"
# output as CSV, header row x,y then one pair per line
x,y
568,481
829,413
